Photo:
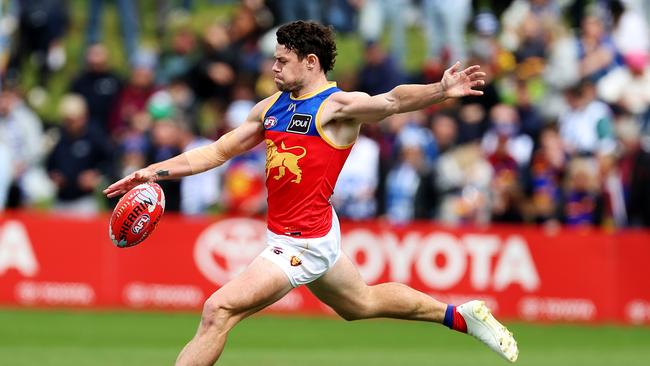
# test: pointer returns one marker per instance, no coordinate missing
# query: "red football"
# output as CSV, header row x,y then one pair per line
x,y
136,215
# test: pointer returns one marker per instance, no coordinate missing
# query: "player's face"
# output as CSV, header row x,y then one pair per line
x,y
288,70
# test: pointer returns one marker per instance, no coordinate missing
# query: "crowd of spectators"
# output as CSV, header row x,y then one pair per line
x,y
561,135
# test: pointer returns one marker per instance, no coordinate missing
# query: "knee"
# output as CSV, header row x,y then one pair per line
x,y
217,314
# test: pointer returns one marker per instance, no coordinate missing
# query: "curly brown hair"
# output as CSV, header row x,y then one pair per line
x,y
305,37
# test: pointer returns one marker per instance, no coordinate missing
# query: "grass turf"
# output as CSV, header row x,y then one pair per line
x,y
37,337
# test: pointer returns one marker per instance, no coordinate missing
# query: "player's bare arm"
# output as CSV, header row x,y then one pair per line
x,y
200,159
362,108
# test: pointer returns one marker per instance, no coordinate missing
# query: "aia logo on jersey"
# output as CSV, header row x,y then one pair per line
x,y
299,123
270,122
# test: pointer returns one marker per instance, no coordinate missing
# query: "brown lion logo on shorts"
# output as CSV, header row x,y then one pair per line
x,y
295,261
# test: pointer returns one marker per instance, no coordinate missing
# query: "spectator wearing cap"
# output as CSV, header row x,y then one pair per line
x,y
628,87
79,160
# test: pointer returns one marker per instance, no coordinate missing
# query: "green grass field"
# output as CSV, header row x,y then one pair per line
x,y
68,338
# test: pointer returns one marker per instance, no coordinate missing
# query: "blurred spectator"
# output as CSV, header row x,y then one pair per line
x,y
341,14
531,120
373,16
171,11
198,192
582,195
21,139
444,24
586,128
99,85
243,102
8,17
133,98
354,195
628,87
506,194
614,210
445,130
561,71
630,29
379,72
404,178
249,22
129,24
484,44
522,21
79,160
463,179
596,50
42,24
634,168
546,172
290,10
176,60
243,183
213,76
505,134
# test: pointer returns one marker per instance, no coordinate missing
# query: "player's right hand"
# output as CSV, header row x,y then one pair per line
x,y
125,184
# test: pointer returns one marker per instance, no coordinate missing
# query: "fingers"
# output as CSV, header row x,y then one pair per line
x,y
477,83
454,68
119,187
477,76
472,69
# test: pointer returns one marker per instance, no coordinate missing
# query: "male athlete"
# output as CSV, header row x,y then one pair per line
x,y
309,127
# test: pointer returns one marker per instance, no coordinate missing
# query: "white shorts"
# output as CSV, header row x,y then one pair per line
x,y
304,259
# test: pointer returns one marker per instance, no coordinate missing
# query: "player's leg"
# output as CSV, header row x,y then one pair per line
x,y
260,285
343,289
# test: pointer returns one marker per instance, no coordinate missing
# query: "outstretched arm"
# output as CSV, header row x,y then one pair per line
x,y
405,98
198,160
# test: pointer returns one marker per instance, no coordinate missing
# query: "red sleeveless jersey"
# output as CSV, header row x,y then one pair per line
x,y
302,165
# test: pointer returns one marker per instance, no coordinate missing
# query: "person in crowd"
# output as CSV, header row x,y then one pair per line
x,y
582,195
586,127
132,100
355,193
42,25
176,60
79,160
444,24
129,24
506,134
99,85
21,141
628,87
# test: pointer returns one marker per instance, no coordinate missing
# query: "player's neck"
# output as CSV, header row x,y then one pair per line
x,y
319,82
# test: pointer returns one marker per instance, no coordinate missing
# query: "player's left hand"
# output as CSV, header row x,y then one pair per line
x,y
462,83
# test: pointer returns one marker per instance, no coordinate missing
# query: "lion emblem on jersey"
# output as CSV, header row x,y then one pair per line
x,y
283,160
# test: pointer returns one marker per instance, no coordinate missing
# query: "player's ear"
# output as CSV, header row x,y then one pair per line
x,y
312,61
